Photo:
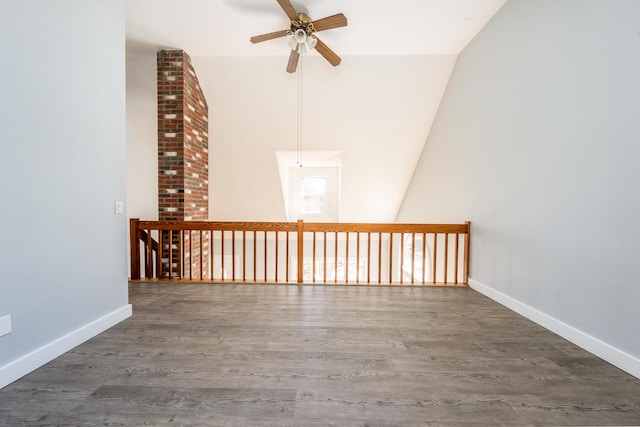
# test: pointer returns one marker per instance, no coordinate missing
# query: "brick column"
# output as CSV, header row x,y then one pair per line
x,y
183,157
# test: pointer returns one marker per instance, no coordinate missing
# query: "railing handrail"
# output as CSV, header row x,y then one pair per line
x,y
384,227
300,227
351,227
143,236
219,225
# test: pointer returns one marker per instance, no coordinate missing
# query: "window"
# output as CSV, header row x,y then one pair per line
x,y
310,192
415,266
313,193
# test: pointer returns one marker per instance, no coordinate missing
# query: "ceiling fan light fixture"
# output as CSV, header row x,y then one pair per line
x,y
311,42
293,44
300,36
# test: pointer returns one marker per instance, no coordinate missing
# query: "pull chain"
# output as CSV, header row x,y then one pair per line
x,y
299,136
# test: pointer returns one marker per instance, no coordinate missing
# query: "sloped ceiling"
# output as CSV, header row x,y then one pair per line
x,y
376,107
376,27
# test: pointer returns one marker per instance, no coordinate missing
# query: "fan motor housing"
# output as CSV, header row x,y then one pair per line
x,y
303,23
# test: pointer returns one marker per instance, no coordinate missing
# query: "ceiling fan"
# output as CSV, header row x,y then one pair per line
x,y
302,35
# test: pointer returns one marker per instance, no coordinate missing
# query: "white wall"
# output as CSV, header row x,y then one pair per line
x,y
541,119
377,110
62,166
142,137
373,109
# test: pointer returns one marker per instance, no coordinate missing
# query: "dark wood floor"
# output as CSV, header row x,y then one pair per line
x,y
275,355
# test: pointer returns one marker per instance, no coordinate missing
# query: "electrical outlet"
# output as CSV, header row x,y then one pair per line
x,y
5,325
119,208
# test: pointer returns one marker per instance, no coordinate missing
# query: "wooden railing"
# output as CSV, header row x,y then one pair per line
x,y
151,248
300,252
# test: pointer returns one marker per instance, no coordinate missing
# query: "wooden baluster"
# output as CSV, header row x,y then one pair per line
x,y
191,257
314,258
190,254
255,259
413,256
159,267
265,256
287,258
157,263
222,255
154,261
401,258
335,258
390,258
213,264
201,252
244,255
358,257
276,279
346,260
435,255
143,255
300,250
148,259
446,256
424,257
184,254
379,257
180,254
233,255
170,237
211,270
369,257
145,252
455,270
324,247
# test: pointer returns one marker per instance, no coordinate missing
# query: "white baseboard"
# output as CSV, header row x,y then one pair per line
x,y
32,361
616,357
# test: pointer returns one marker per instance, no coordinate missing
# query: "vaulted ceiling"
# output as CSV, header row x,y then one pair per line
x,y
376,27
376,107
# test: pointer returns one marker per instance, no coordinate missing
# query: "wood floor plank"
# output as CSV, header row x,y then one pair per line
x,y
273,355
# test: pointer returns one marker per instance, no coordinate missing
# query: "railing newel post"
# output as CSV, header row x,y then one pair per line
x,y
467,252
134,247
300,249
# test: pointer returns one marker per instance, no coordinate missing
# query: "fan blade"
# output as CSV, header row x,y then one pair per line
x,y
293,61
288,9
334,21
268,36
328,54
